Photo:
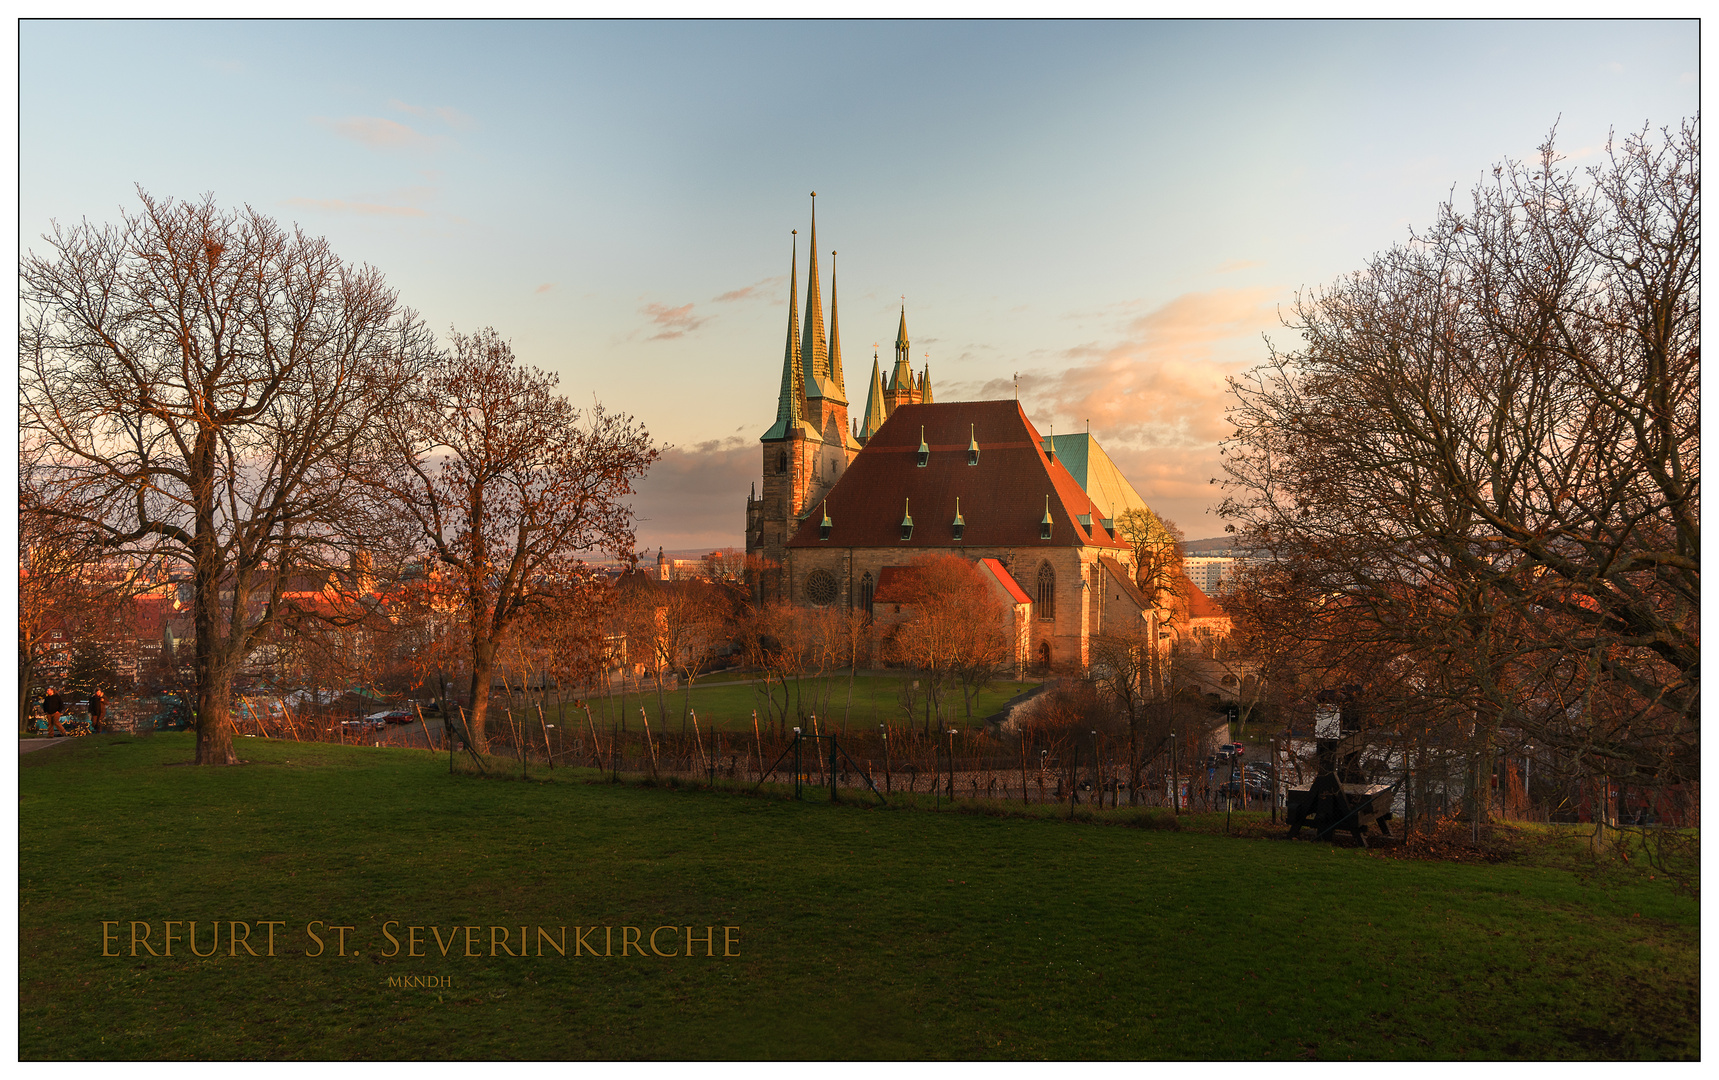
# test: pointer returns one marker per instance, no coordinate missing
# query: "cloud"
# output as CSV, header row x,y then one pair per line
x,y
695,497
1155,396
1613,66
1233,265
225,67
673,322
1687,78
448,115
342,206
455,119
756,289
380,133
545,287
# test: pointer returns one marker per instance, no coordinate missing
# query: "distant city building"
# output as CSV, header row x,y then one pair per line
x,y
1210,572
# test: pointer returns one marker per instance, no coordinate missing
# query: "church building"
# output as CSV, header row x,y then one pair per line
x,y
845,504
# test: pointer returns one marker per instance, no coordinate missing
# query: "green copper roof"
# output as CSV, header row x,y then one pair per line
x,y
814,346
874,417
788,401
901,378
837,390
925,397
1097,475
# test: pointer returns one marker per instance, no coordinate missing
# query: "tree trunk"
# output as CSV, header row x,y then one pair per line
x,y
214,670
214,725
483,667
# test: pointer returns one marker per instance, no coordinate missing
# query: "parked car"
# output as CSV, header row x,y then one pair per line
x,y
1234,789
362,725
391,716
1231,749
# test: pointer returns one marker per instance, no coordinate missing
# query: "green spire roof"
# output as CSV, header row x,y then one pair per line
x,y
873,404
814,346
925,385
901,379
788,401
837,390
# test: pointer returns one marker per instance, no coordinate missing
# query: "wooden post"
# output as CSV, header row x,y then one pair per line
x,y
518,742
1074,781
758,740
698,739
547,749
427,743
650,744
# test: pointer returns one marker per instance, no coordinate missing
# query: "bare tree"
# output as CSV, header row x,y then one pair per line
x,y
955,625
204,386
1487,454
60,585
508,483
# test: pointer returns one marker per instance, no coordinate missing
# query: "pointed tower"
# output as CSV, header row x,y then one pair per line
x,y
925,397
789,402
814,347
837,388
790,452
874,413
835,401
902,388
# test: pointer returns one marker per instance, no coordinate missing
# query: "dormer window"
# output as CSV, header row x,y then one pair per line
x,y
959,525
907,520
924,450
1045,522
972,444
824,526
1086,521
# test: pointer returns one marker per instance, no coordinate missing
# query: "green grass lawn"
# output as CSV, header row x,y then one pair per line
x,y
863,932
728,706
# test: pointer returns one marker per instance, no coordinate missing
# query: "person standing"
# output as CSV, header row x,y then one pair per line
x,y
53,704
98,711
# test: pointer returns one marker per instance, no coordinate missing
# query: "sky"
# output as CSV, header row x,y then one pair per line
x,y
1120,213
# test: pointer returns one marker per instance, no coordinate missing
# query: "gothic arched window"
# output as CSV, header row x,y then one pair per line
x,y
782,462
866,588
1047,593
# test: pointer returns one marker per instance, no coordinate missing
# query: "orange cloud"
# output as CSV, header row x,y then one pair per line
x,y
545,287
379,133
345,207
757,288
673,322
1162,385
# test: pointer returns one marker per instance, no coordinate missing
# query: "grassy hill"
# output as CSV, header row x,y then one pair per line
x,y
862,932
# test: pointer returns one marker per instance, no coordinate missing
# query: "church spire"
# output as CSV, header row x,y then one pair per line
x,y
874,412
925,397
901,379
814,347
788,402
837,390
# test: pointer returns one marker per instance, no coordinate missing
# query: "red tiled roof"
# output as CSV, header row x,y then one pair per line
x,y
1201,606
1002,497
150,614
1006,580
896,585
